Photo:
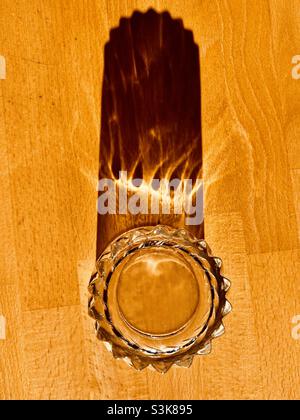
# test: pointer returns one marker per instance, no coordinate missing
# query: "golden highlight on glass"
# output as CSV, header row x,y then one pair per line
x,y
158,297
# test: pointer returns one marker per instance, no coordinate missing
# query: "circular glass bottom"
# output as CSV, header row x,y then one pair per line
x,y
158,297
157,291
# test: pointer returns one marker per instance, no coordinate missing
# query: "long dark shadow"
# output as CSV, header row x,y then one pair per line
x,y
151,112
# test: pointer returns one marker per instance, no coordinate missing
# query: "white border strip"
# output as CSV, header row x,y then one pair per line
x,y
2,68
2,327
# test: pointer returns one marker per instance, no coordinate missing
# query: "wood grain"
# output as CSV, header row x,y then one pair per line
x,y
49,136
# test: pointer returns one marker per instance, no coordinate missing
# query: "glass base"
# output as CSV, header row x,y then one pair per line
x,y
152,283
158,297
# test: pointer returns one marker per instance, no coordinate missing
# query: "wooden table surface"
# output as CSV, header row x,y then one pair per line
x,y
49,134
